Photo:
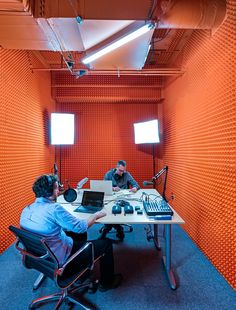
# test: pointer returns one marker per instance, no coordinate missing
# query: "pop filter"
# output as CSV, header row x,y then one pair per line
x,y
70,195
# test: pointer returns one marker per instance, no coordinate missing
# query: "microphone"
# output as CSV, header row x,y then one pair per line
x,y
146,183
55,172
55,169
81,183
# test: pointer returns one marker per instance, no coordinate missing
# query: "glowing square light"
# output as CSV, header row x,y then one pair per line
x,y
62,128
146,132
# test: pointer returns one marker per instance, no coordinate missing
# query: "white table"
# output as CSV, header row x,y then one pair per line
x,y
134,200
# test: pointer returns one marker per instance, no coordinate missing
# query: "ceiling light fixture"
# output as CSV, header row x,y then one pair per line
x,y
111,47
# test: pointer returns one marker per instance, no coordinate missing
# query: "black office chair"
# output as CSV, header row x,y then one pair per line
x,y
37,255
118,228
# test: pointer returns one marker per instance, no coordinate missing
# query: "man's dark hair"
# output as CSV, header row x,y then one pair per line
x,y
43,186
122,163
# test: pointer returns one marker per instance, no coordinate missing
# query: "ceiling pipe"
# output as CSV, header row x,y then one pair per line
x,y
185,14
145,72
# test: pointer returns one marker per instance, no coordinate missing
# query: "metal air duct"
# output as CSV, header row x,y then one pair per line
x,y
185,14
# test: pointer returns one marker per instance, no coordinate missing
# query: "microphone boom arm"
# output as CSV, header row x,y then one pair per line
x,y
160,173
163,170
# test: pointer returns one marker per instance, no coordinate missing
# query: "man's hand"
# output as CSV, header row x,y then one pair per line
x,y
116,189
134,189
92,219
100,214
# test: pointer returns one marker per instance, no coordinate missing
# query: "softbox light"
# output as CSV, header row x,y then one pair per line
x,y
62,128
146,132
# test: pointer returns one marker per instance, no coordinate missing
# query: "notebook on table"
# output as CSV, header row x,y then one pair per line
x,y
102,186
92,202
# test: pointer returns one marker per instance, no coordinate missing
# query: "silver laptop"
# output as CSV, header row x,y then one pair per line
x,y
101,186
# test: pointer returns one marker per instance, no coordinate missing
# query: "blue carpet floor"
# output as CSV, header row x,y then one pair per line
x,y
145,284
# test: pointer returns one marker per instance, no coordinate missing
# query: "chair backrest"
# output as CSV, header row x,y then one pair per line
x,y
35,252
37,255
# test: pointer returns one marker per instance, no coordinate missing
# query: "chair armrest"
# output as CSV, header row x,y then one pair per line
x,y
24,252
74,256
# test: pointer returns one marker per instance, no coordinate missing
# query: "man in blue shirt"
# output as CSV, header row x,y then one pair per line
x,y
121,179
62,230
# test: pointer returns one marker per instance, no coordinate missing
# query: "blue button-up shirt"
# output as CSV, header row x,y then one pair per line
x,y
50,220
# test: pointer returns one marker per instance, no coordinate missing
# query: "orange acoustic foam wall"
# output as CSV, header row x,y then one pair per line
x,y
24,149
200,143
104,135
105,109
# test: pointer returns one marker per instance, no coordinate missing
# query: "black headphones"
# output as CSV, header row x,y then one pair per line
x,y
115,176
43,186
122,203
50,180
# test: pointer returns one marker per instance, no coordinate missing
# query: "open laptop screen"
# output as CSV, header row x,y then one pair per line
x,y
91,202
92,199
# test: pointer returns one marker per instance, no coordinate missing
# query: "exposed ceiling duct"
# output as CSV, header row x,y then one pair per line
x,y
60,16
201,14
84,25
94,9
185,14
194,14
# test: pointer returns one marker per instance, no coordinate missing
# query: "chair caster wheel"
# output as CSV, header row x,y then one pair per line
x,y
120,236
92,289
102,236
68,303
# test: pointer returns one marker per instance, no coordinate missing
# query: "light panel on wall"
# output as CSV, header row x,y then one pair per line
x,y
62,128
146,132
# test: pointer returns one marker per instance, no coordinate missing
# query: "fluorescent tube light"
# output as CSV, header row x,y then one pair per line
x,y
133,35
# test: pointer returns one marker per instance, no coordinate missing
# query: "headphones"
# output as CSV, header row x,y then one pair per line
x,y
43,186
115,175
122,203
49,190
49,179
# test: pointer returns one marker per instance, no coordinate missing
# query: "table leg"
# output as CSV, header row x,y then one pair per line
x,y
167,257
155,236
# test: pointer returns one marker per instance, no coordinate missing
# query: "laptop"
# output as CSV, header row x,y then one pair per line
x,y
102,186
91,202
